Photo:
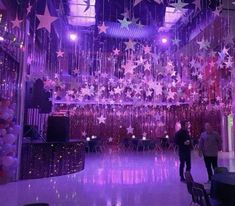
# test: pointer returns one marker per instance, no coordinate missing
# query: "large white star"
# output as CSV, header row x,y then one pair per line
x,y
179,5
124,23
101,119
46,20
204,44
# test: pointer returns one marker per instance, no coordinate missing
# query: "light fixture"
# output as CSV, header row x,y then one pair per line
x,y
1,38
164,40
133,136
73,36
88,139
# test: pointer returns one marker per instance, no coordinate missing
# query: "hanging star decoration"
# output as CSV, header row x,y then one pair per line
x,y
60,53
197,4
147,50
217,11
84,134
87,5
16,22
116,51
130,130
130,45
124,23
29,8
176,42
179,5
158,1
101,119
102,28
46,20
137,2
128,67
204,44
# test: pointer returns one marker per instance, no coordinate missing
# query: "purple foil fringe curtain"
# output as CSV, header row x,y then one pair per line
x,y
156,122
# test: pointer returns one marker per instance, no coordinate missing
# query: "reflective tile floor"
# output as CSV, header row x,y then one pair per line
x,y
127,179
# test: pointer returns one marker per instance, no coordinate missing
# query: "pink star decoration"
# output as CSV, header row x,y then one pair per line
x,y
46,20
16,22
102,28
101,119
60,53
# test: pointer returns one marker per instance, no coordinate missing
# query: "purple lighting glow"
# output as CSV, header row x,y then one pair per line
x,y
1,38
73,37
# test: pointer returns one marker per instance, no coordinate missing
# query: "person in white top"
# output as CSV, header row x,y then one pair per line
x,y
209,146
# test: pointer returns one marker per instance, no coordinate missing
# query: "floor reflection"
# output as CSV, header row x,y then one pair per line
x,y
130,179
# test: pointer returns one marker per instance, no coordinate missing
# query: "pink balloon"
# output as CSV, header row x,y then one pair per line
x,y
9,138
3,132
7,161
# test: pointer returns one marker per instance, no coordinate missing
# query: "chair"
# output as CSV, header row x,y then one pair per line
x,y
219,170
189,182
201,198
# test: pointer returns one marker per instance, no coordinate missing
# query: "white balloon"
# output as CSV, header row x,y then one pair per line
x,y
9,138
7,161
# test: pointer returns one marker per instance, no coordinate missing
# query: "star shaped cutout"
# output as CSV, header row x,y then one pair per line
x,y
158,1
29,8
197,4
101,119
124,23
60,53
130,45
129,67
179,5
176,42
137,2
204,44
110,139
117,90
147,67
46,20
102,28
16,22
147,49
84,134
116,51
130,130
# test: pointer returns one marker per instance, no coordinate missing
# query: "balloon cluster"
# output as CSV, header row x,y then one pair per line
x,y
9,132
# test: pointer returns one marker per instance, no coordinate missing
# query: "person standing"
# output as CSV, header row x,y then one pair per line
x,y
209,146
182,140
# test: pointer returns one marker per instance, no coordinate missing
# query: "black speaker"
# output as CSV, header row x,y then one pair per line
x,y
31,131
57,129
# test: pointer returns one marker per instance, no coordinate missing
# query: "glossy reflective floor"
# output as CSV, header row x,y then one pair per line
x,y
127,179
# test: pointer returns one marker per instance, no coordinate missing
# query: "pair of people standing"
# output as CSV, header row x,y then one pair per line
x,y
209,145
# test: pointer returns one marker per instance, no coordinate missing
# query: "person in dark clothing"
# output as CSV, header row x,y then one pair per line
x,y
182,140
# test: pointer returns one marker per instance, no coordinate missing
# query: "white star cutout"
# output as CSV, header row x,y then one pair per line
x,y
101,119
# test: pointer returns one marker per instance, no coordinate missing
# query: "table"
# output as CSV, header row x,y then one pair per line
x,y
223,188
